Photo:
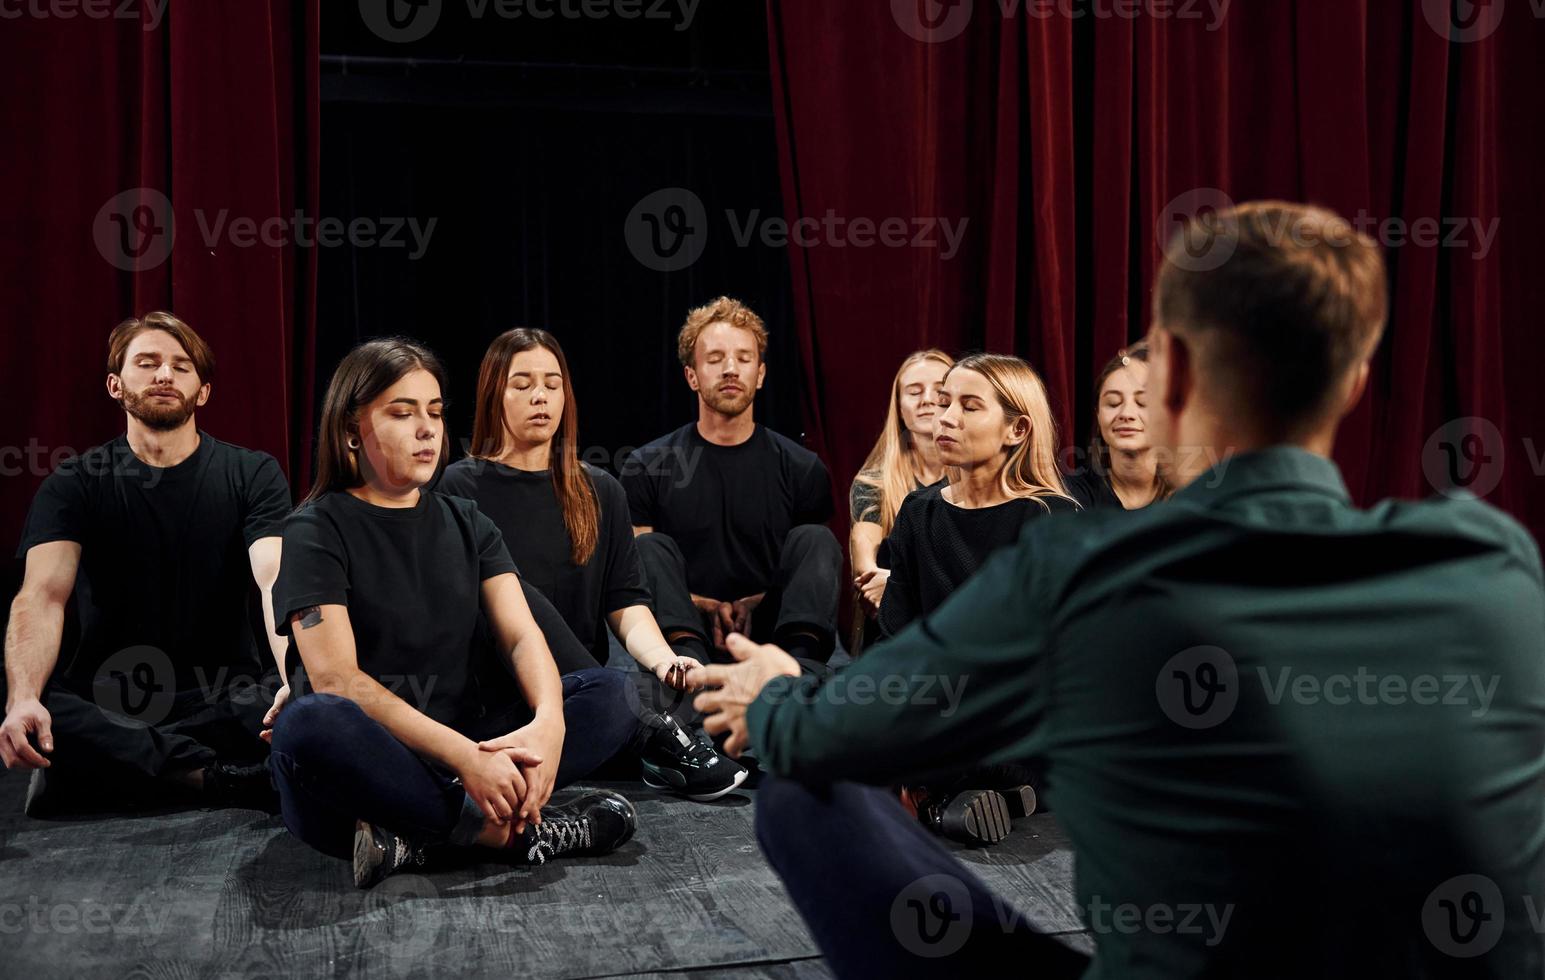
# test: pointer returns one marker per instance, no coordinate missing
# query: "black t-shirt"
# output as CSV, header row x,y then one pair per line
x,y
864,508
935,546
1091,490
411,578
164,558
525,508
728,507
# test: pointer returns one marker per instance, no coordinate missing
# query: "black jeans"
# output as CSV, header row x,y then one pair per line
x,y
802,598
883,898
126,751
334,764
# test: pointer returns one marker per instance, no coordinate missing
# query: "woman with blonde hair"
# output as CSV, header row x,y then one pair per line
x,y
997,436
903,459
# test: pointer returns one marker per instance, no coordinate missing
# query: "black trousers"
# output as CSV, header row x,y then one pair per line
x,y
882,896
801,599
127,749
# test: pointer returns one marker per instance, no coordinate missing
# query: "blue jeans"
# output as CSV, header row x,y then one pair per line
x,y
882,896
334,764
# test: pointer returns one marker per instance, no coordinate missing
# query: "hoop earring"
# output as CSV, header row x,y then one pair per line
x,y
353,445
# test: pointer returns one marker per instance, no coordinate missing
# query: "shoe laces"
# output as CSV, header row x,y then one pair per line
x,y
564,834
405,853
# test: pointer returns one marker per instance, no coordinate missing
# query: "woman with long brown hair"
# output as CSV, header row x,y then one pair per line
x,y
567,527
387,739
996,434
1121,469
904,458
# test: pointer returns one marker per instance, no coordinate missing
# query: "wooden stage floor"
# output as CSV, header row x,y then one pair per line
x,y
229,893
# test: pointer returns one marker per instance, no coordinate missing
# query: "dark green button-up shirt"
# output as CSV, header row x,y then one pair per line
x,y
1288,737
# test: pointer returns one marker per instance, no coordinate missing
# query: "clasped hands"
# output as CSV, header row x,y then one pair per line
x,y
511,777
726,617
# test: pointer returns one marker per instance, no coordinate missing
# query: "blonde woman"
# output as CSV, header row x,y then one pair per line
x,y
996,434
904,458
996,431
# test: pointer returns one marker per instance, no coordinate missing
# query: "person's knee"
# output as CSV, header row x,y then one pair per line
x,y
658,543
309,723
813,542
611,703
784,808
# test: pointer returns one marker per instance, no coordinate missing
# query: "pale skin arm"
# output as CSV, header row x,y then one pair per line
x,y
32,650
537,675
636,629
864,550
264,557
864,546
324,638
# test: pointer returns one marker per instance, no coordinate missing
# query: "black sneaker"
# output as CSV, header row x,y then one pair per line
x,y
972,816
676,761
249,787
1021,800
595,823
379,852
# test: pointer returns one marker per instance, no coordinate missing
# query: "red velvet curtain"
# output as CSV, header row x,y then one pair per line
x,y
1065,141
136,137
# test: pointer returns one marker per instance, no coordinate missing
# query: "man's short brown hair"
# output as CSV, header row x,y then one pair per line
x,y
721,310
123,335
1281,301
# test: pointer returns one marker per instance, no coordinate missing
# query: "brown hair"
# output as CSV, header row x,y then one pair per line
x,y
721,310
1282,299
571,484
1099,451
123,335
1031,468
362,375
890,467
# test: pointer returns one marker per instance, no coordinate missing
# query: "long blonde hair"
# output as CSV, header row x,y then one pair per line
x,y
891,466
1031,469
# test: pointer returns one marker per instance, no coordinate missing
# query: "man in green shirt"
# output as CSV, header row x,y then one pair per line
x,y
1287,737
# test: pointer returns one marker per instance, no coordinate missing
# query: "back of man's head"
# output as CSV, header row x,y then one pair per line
x,y
1280,305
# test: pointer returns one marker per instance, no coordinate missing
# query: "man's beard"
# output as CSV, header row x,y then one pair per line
x,y
159,415
730,405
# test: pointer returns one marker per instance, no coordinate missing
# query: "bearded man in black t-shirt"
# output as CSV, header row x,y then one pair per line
x,y
730,516
175,535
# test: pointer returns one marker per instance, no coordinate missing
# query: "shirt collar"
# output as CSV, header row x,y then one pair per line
x,y
1273,468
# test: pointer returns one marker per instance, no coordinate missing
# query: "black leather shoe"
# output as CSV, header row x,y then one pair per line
x,y
248,787
378,853
674,760
595,823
